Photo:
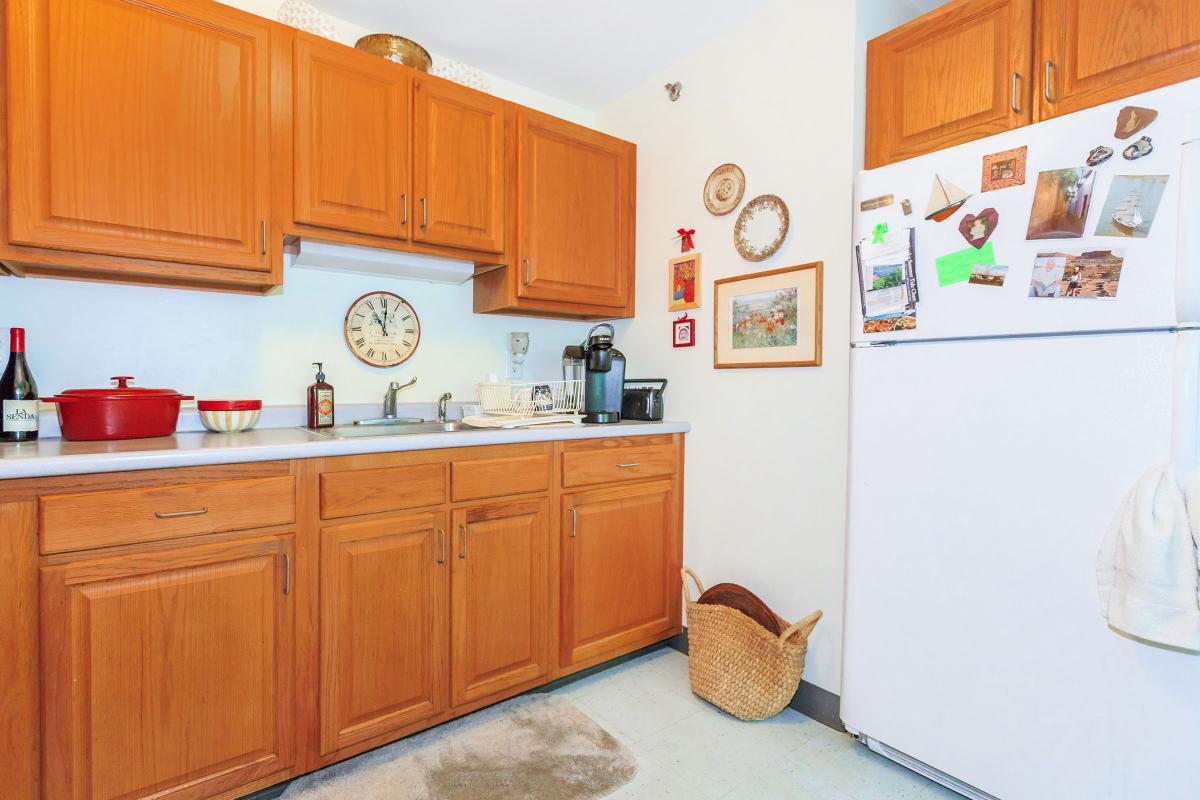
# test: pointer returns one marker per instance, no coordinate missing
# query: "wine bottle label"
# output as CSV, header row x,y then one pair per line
x,y
20,415
324,407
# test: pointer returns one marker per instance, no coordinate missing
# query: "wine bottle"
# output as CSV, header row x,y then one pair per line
x,y
18,394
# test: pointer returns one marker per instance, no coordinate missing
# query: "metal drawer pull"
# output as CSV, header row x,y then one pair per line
x,y
404,205
631,464
1049,79
574,523
463,553
287,574
177,514
264,237
1012,96
526,263
441,559
424,213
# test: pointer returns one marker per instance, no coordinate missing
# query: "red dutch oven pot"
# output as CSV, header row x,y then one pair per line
x,y
119,412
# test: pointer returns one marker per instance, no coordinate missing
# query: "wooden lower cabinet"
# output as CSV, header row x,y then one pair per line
x,y
384,625
499,598
619,570
168,674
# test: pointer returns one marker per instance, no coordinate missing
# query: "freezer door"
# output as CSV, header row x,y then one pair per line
x,y
983,478
1146,296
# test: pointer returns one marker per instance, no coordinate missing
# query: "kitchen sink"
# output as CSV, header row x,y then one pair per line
x,y
393,429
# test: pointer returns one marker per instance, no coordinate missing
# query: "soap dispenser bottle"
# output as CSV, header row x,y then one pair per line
x,y
320,400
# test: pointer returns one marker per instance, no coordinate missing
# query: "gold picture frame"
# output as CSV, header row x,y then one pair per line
x,y
683,281
769,319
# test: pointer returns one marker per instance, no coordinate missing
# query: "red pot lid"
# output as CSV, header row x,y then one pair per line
x,y
229,405
121,391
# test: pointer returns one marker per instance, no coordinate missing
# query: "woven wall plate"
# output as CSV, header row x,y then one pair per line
x,y
761,228
724,188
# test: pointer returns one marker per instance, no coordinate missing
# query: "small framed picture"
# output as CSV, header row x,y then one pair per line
x,y
768,319
683,332
683,282
1004,169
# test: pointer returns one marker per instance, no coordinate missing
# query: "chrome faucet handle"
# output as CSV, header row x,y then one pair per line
x,y
389,398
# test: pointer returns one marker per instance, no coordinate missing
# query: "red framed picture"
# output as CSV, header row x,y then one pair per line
x,y
684,332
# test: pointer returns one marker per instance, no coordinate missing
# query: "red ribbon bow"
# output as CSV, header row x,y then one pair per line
x,y
686,237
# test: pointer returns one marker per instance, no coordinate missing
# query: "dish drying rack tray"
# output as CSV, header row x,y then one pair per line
x,y
532,399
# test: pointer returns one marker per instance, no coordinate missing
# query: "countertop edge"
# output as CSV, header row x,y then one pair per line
x,y
312,447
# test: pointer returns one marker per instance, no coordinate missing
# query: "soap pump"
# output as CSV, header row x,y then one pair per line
x,y
320,400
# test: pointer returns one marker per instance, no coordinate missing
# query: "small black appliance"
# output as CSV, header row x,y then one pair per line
x,y
643,402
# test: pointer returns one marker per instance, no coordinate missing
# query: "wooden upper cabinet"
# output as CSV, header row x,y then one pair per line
x,y
139,129
458,166
499,598
384,627
575,214
959,73
168,674
1096,51
351,118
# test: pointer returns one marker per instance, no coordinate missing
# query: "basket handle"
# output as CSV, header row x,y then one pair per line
x,y
685,573
807,624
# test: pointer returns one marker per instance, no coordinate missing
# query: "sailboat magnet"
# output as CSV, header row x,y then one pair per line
x,y
944,200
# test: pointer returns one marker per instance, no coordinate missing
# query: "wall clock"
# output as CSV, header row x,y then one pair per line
x,y
382,329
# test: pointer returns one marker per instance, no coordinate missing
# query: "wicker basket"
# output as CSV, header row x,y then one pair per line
x,y
738,665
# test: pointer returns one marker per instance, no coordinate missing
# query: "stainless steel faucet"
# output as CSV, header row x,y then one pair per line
x,y
389,407
442,401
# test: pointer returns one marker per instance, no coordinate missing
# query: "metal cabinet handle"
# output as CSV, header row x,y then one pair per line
x,y
441,559
1012,94
526,264
287,573
463,553
263,236
631,464
178,514
424,213
404,209
574,523
1049,80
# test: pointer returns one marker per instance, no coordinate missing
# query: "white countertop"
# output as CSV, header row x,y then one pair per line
x,y
191,449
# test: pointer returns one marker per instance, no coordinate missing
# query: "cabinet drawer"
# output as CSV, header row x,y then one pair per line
x,y
128,516
371,491
618,460
497,477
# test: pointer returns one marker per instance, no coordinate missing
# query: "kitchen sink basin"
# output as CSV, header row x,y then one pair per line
x,y
394,429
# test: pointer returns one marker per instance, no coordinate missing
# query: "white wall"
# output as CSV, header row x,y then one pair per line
x,y
766,460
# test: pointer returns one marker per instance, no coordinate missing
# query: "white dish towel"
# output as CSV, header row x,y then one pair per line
x,y
1148,569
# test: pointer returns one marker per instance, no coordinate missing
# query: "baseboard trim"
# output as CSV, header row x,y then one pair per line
x,y
810,700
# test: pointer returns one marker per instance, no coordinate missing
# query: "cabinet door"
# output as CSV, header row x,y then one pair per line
x,y
384,623
458,166
499,598
575,213
150,140
168,674
620,570
959,73
351,140
1095,51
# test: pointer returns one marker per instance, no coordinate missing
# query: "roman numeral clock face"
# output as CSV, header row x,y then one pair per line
x,y
382,329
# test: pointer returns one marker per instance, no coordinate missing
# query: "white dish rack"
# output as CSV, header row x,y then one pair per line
x,y
533,399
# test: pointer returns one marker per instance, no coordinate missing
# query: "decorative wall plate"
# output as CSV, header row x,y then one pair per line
x,y
761,228
724,188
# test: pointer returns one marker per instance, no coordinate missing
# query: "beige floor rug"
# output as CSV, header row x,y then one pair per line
x,y
535,747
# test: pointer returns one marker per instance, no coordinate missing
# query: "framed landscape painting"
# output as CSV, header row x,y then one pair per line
x,y
768,319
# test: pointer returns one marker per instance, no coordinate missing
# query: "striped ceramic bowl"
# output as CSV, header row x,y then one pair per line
x,y
229,416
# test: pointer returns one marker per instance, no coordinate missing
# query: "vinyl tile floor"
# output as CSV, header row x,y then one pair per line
x,y
686,748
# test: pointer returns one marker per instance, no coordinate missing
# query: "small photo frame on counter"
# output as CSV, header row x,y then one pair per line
x,y
768,319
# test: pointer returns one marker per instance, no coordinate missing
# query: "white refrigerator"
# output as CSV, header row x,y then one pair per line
x,y
990,449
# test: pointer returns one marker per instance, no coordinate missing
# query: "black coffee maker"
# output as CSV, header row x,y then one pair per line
x,y
603,374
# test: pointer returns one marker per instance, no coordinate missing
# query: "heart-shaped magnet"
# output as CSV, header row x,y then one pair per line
x,y
978,228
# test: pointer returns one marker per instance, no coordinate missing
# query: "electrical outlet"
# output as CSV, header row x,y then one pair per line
x,y
516,371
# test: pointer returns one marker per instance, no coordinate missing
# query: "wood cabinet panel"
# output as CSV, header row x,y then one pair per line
x,y
458,166
87,520
575,213
480,479
959,73
168,674
370,491
150,141
1096,51
602,464
352,121
499,598
384,627
619,569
